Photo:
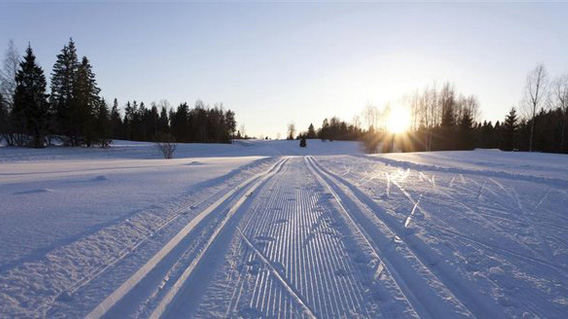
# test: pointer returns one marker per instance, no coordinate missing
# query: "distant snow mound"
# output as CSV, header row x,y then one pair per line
x,y
35,191
195,163
487,150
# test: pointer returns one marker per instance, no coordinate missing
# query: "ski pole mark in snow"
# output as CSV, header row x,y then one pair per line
x,y
452,181
524,215
429,180
542,198
479,191
409,217
488,222
388,183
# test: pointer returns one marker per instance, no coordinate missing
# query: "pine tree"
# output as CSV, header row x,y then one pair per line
x,y
311,132
465,132
3,117
115,121
152,122
31,108
103,125
63,79
230,126
509,130
324,131
131,122
179,123
163,122
86,105
142,121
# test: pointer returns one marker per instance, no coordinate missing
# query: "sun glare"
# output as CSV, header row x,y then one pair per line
x,y
398,121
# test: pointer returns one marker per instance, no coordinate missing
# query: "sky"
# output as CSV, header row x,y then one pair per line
x,y
273,63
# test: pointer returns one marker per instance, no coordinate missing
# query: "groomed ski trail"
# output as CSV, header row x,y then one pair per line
x,y
172,247
432,286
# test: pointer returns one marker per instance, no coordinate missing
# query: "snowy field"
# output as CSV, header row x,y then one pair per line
x,y
265,229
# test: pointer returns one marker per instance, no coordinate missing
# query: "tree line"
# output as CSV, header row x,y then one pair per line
x,y
75,113
443,119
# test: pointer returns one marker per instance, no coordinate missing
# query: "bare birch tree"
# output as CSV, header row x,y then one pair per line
x,y
371,115
429,111
8,74
291,130
535,96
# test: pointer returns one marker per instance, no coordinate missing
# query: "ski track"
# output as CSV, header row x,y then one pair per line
x,y
67,269
456,297
307,261
537,256
473,212
328,237
174,247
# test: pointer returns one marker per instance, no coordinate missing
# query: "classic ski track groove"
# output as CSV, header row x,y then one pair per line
x,y
174,215
307,248
476,304
103,307
405,284
282,280
95,273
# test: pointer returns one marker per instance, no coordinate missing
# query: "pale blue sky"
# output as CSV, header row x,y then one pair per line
x,y
277,62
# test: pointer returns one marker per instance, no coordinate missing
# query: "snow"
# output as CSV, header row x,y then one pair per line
x,y
266,229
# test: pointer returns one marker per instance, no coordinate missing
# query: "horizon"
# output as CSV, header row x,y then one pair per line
x,y
273,63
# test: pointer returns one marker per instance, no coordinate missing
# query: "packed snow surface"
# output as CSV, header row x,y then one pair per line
x,y
266,229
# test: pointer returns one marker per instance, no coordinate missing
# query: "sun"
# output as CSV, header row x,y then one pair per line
x,y
398,121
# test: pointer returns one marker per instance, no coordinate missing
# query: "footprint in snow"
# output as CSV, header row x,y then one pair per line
x,y
65,297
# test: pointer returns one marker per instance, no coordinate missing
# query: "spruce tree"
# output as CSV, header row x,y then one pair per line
x,y
509,130
86,105
230,125
115,121
465,132
130,122
311,132
63,79
3,117
152,122
180,127
324,131
103,125
163,122
31,108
